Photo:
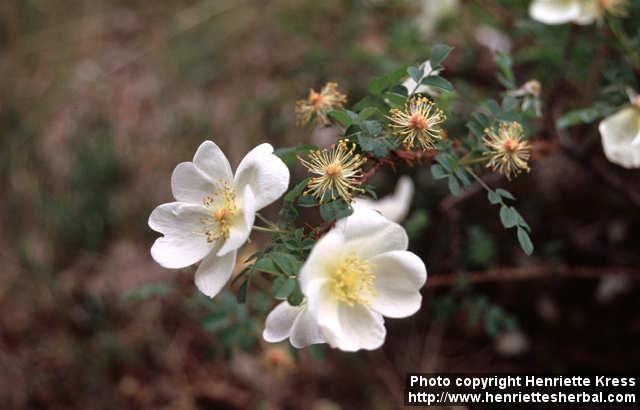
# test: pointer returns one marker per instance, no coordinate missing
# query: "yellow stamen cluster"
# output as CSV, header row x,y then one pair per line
x,y
337,169
222,207
318,105
619,8
418,125
508,152
352,280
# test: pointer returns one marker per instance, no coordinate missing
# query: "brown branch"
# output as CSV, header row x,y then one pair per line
x,y
529,273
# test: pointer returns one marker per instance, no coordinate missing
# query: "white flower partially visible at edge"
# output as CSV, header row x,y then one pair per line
x,y
294,323
357,273
410,83
620,134
575,11
214,211
394,207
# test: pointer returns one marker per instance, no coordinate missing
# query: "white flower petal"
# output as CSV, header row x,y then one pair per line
x,y
321,261
590,12
190,184
280,321
241,224
620,134
555,11
305,330
214,272
212,161
410,83
399,275
394,207
265,173
370,233
357,327
183,244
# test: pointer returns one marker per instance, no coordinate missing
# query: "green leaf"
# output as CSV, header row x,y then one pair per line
x,y
395,100
287,263
509,103
334,210
505,194
241,296
508,216
282,287
368,112
415,73
439,53
296,191
454,185
525,241
372,128
438,82
438,172
341,117
494,198
266,264
475,128
379,84
581,116
296,297
380,146
290,155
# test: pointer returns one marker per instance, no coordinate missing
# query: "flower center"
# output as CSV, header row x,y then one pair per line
x,y
418,122
334,169
509,145
315,98
352,280
222,207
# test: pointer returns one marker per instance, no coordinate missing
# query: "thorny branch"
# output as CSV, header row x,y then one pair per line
x,y
529,273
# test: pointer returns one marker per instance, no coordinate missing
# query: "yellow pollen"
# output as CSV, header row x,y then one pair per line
x,y
352,280
315,98
333,169
222,205
509,145
418,122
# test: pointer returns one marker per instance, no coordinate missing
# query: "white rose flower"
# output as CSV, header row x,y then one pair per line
x,y
576,11
214,211
620,134
357,273
410,84
394,207
294,323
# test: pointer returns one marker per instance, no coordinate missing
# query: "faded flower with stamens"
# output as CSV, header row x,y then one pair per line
x,y
620,134
337,172
508,152
576,11
318,105
418,125
357,273
214,211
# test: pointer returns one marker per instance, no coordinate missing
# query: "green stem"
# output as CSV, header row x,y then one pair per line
x,y
264,229
477,178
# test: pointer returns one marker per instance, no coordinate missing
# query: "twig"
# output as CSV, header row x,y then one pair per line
x,y
528,273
